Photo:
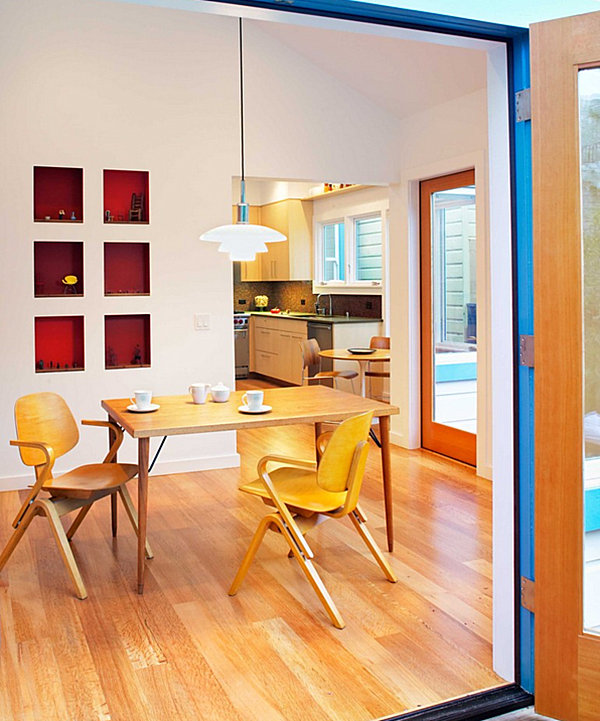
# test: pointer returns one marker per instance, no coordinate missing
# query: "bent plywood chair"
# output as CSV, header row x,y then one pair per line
x,y
310,357
47,430
304,493
377,341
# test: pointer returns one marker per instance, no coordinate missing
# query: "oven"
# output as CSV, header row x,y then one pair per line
x,y
241,338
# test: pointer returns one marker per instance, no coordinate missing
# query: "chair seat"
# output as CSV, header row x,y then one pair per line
x,y
298,487
83,481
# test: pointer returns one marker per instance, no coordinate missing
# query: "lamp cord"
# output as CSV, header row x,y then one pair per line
x,y
242,99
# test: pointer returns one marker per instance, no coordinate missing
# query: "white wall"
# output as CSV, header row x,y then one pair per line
x,y
101,85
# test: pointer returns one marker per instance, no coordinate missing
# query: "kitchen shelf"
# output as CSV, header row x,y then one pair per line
x,y
59,340
52,260
119,185
54,189
126,269
126,336
339,191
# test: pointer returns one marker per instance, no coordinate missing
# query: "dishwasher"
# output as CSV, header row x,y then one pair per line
x,y
323,334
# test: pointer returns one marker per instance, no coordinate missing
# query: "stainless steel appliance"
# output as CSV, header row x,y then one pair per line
x,y
241,337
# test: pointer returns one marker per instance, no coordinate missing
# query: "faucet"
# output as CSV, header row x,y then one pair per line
x,y
318,307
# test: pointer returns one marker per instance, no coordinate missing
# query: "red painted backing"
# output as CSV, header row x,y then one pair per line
x,y
51,262
57,189
59,339
126,268
122,333
118,187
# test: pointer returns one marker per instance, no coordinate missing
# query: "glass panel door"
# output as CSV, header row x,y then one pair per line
x,y
449,315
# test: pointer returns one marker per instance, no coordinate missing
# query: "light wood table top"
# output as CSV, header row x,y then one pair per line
x,y
379,354
177,415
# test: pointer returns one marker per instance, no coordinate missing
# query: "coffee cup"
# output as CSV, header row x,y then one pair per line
x,y
199,392
253,399
142,400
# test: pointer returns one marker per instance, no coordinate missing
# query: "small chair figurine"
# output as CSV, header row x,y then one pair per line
x,y
70,284
137,207
137,355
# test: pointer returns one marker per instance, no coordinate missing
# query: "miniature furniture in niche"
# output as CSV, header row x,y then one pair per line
x,y
304,494
47,430
311,357
137,207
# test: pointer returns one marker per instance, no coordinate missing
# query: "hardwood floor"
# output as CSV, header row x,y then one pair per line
x,y
185,650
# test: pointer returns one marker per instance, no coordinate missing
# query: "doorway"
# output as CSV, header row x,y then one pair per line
x,y
449,316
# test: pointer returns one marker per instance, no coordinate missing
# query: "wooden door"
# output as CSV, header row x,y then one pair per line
x,y
566,204
448,312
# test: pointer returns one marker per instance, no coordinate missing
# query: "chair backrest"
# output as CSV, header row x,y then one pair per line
x,y
380,341
44,417
338,467
310,356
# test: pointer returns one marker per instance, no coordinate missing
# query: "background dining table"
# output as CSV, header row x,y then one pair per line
x,y
178,415
367,355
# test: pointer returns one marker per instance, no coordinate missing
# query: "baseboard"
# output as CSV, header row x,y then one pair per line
x,y
475,707
185,465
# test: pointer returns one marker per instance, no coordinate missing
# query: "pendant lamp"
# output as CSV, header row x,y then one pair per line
x,y
242,240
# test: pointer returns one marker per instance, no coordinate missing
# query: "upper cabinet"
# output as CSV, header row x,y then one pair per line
x,y
290,259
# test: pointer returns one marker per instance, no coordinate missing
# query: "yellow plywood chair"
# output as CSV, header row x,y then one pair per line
x,y
47,430
303,494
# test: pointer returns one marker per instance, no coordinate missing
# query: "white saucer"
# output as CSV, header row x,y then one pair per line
x,y
152,407
262,409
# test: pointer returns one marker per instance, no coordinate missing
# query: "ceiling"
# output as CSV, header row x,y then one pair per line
x,y
399,75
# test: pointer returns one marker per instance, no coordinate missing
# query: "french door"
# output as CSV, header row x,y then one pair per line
x,y
566,200
449,316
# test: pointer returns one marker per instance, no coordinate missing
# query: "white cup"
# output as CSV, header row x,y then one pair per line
x,y
199,392
143,400
253,399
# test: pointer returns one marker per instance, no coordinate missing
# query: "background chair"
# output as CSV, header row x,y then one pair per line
x,y
47,430
377,341
311,357
304,494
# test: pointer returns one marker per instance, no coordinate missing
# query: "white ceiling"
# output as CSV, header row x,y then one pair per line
x,y
399,75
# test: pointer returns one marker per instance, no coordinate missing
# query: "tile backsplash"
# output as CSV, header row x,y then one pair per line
x,y
288,295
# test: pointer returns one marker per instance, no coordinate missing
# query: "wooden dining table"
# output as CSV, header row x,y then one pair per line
x,y
375,355
178,415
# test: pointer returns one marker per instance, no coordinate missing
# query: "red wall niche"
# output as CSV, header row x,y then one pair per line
x,y
52,260
126,341
59,343
57,189
118,188
126,269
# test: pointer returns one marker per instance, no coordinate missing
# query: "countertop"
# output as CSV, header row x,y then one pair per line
x,y
313,318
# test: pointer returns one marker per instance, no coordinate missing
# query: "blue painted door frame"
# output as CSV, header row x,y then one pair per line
x,y
517,42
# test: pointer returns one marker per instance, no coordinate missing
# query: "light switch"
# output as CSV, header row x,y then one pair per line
x,y
201,321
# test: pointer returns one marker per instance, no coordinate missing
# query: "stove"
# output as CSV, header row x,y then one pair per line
x,y
241,337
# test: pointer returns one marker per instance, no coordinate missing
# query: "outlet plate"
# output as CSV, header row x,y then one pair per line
x,y
201,321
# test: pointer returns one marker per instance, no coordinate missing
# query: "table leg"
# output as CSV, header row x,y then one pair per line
x,y
113,498
143,455
363,386
318,431
386,464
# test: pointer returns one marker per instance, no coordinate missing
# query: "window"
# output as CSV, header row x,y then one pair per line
x,y
333,252
349,251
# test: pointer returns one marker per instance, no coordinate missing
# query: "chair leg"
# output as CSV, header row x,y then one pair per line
x,y
259,534
13,541
47,507
113,514
359,521
78,520
132,514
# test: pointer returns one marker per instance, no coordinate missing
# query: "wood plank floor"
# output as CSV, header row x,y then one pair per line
x,y
186,651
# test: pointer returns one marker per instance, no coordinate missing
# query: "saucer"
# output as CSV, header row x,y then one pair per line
x,y
361,351
152,407
262,409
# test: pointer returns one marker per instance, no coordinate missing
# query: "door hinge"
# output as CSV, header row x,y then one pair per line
x,y
526,351
523,105
528,594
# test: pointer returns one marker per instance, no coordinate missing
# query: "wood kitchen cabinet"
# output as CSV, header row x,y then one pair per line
x,y
290,259
275,348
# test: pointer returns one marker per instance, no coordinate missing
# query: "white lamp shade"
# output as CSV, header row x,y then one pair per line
x,y
242,240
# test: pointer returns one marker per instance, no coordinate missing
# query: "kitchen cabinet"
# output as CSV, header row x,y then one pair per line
x,y
290,259
275,348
